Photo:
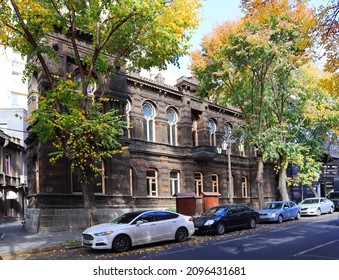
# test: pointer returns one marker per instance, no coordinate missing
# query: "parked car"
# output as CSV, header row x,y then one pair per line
x,y
221,218
278,211
316,206
334,197
138,227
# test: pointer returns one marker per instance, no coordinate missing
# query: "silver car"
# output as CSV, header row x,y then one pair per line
x,y
278,211
316,206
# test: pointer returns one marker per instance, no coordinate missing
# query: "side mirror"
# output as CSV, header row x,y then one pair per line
x,y
140,222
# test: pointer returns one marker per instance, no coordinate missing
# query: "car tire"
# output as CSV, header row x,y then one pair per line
x,y
121,243
252,223
220,228
181,234
297,217
280,219
331,210
318,212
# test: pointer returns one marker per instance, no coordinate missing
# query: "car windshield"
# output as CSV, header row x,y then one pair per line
x,y
273,205
215,211
310,201
125,218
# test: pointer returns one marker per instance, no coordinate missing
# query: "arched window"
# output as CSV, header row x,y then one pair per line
x,y
212,128
149,115
91,88
227,129
172,118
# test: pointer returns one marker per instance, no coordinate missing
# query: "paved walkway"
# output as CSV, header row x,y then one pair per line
x,y
16,240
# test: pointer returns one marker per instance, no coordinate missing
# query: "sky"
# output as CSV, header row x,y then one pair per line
x,y
213,12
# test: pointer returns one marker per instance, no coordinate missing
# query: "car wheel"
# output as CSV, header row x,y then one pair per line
x,y
121,243
181,234
220,229
280,219
318,212
252,223
331,210
297,217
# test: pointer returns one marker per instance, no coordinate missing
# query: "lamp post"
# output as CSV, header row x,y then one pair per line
x,y
226,146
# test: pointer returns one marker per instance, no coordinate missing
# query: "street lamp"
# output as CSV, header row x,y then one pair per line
x,y
226,146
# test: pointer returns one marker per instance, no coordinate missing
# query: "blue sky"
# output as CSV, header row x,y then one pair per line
x,y
213,12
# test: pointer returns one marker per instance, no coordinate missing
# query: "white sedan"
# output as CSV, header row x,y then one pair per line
x,y
316,206
138,227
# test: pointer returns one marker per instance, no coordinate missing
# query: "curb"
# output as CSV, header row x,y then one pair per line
x,y
8,256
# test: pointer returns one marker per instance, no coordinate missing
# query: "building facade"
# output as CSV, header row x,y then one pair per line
x,y
172,148
12,178
13,111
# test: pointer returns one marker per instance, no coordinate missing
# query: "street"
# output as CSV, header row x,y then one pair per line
x,y
311,238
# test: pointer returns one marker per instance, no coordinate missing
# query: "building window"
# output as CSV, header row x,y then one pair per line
x,y
215,183
149,115
227,129
172,118
194,131
212,128
198,182
97,184
244,186
7,164
174,182
91,88
152,182
128,117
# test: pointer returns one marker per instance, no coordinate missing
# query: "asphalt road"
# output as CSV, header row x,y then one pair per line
x,y
311,238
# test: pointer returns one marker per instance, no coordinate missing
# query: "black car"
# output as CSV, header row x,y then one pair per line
x,y
334,197
221,218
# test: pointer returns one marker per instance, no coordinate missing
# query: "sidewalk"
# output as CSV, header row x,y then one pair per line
x,y
16,240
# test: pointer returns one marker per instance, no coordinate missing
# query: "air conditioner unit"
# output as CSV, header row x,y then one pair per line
x,y
23,180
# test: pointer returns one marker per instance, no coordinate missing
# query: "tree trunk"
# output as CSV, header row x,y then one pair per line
x,y
89,204
260,182
282,187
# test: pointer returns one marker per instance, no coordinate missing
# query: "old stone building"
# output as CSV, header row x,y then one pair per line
x,y
172,148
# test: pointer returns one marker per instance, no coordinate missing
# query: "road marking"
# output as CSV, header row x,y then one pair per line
x,y
316,247
235,239
172,252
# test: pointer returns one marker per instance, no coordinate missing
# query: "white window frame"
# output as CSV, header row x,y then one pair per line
x,y
174,183
152,183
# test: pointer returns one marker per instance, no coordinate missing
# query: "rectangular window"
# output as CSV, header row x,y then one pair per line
x,y
198,182
172,135
7,164
151,182
97,184
174,182
215,182
244,187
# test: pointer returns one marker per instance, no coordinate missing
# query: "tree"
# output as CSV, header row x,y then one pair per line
x,y
248,64
143,33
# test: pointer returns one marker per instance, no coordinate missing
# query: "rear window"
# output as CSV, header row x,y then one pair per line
x,y
161,216
333,195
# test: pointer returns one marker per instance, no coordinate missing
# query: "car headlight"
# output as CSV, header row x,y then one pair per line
x,y
209,223
272,214
103,233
